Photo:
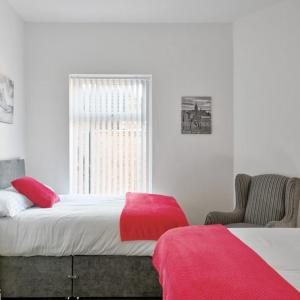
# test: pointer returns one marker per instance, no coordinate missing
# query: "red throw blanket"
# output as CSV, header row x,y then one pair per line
x,y
210,263
148,216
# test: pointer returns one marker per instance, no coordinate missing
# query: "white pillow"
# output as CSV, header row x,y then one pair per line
x,y
11,189
12,203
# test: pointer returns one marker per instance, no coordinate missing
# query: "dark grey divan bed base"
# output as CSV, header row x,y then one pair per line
x,y
78,276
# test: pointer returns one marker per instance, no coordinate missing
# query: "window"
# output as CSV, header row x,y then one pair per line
x,y
110,137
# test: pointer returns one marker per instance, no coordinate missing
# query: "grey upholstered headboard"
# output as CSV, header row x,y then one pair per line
x,y
9,170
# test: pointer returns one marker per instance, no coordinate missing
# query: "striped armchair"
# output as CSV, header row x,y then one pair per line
x,y
262,201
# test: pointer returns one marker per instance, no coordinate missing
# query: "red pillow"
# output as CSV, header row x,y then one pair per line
x,y
35,191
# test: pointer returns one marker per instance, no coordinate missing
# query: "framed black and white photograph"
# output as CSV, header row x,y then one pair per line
x,y
6,99
196,115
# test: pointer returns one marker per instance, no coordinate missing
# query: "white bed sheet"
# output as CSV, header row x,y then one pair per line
x,y
89,225
77,225
279,247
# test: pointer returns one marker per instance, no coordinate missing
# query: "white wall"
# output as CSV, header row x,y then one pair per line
x,y
267,91
12,136
183,59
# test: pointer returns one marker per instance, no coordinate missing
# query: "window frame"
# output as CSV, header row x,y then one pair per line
x,y
147,77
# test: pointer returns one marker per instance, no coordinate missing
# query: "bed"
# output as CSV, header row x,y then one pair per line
x,y
84,258
212,262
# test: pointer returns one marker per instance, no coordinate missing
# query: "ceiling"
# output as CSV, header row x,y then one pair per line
x,y
136,11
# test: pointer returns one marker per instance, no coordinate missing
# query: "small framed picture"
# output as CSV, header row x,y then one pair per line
x,y
6,100
196,115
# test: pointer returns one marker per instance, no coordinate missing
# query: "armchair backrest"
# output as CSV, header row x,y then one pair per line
x,y
266,199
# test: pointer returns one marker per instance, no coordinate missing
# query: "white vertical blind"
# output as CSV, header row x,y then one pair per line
x,y
110,134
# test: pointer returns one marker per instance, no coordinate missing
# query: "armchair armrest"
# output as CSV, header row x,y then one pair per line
x,y
216,217
291,205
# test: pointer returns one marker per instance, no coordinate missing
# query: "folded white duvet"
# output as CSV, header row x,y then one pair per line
x,y
77,225
89,225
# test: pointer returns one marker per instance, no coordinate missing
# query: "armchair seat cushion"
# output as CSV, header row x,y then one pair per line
x,y
243,225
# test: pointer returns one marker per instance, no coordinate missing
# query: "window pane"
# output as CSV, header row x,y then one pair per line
x,y
109,134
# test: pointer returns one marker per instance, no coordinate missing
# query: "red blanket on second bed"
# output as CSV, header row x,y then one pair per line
x,y
208,262
148,216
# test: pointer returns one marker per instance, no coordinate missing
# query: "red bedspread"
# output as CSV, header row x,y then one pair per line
x,y
210,263
148,216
